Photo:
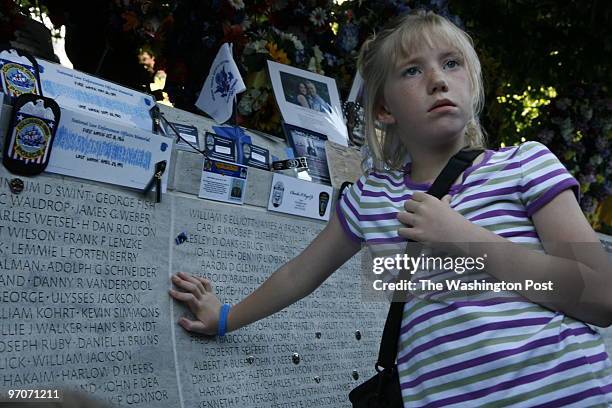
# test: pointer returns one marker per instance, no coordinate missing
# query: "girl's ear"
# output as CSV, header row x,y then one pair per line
x,y
383,115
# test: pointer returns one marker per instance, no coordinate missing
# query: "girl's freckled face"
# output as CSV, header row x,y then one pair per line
x,y
417,83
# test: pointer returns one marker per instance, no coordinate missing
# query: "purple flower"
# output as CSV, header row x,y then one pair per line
x,y
587,178
588,204
601,143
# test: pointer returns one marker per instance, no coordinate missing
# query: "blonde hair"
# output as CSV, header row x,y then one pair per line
x,y
383,51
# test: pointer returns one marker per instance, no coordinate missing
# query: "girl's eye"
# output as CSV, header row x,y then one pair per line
x,y
411,71
451,64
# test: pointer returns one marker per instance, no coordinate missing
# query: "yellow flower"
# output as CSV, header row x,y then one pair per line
x,y
276,54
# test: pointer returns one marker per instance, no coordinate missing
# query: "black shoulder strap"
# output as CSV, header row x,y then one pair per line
x,y
440,187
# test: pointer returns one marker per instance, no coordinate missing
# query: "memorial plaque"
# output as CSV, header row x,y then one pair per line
x,y
83,302
83,277
255,366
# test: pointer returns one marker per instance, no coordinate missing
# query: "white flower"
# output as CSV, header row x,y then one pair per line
x,y
236,4
312,64
318,54
260,100
315,66
257,46
296,43
318,17
244,106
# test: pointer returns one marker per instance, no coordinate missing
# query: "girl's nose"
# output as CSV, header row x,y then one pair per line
x,y
437,83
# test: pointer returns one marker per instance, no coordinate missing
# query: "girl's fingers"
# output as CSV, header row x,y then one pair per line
x,y
406,218
196,282
446,199
411,206
206,283
186,285
194,326
410,233
181,296
193,279
419,196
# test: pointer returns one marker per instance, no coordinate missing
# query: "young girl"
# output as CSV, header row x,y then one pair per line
x,y
423,86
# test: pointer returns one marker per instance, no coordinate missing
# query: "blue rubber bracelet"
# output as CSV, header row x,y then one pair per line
x,y
222,325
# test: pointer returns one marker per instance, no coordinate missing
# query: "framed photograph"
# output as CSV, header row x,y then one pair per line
x,y
308,100
311,145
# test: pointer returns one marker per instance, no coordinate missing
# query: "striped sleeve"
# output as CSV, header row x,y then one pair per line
x,y
348,209
543,176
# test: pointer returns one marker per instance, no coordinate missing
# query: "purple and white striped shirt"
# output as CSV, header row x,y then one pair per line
x,y
486,349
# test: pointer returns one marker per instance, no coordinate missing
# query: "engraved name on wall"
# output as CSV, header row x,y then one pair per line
x,y
310,354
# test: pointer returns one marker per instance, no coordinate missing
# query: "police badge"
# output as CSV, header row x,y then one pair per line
x,y
27,145
18,73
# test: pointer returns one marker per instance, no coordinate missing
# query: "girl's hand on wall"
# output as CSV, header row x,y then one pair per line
x,y
197,293
428,219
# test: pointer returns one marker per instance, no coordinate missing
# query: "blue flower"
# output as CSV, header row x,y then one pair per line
x,y
439,4
348,37
330,59
299,56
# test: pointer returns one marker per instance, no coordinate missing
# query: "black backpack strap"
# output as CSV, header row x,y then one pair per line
x,y
440,187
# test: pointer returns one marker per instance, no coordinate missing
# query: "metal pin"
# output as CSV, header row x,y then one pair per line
x,y
16,185
317,379
358,335
318,335
250,359
355,375
296,358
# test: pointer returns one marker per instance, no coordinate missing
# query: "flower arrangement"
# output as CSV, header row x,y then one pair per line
x,y
323,36
577,127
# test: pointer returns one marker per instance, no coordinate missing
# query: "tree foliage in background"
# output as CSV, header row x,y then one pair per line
x,y
546,68
545,62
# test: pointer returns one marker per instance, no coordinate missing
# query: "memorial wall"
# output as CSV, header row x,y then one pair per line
x,y
84,279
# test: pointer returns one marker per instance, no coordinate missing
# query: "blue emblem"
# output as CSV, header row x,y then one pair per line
x,y
225,83
16,77
31,138
163,146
